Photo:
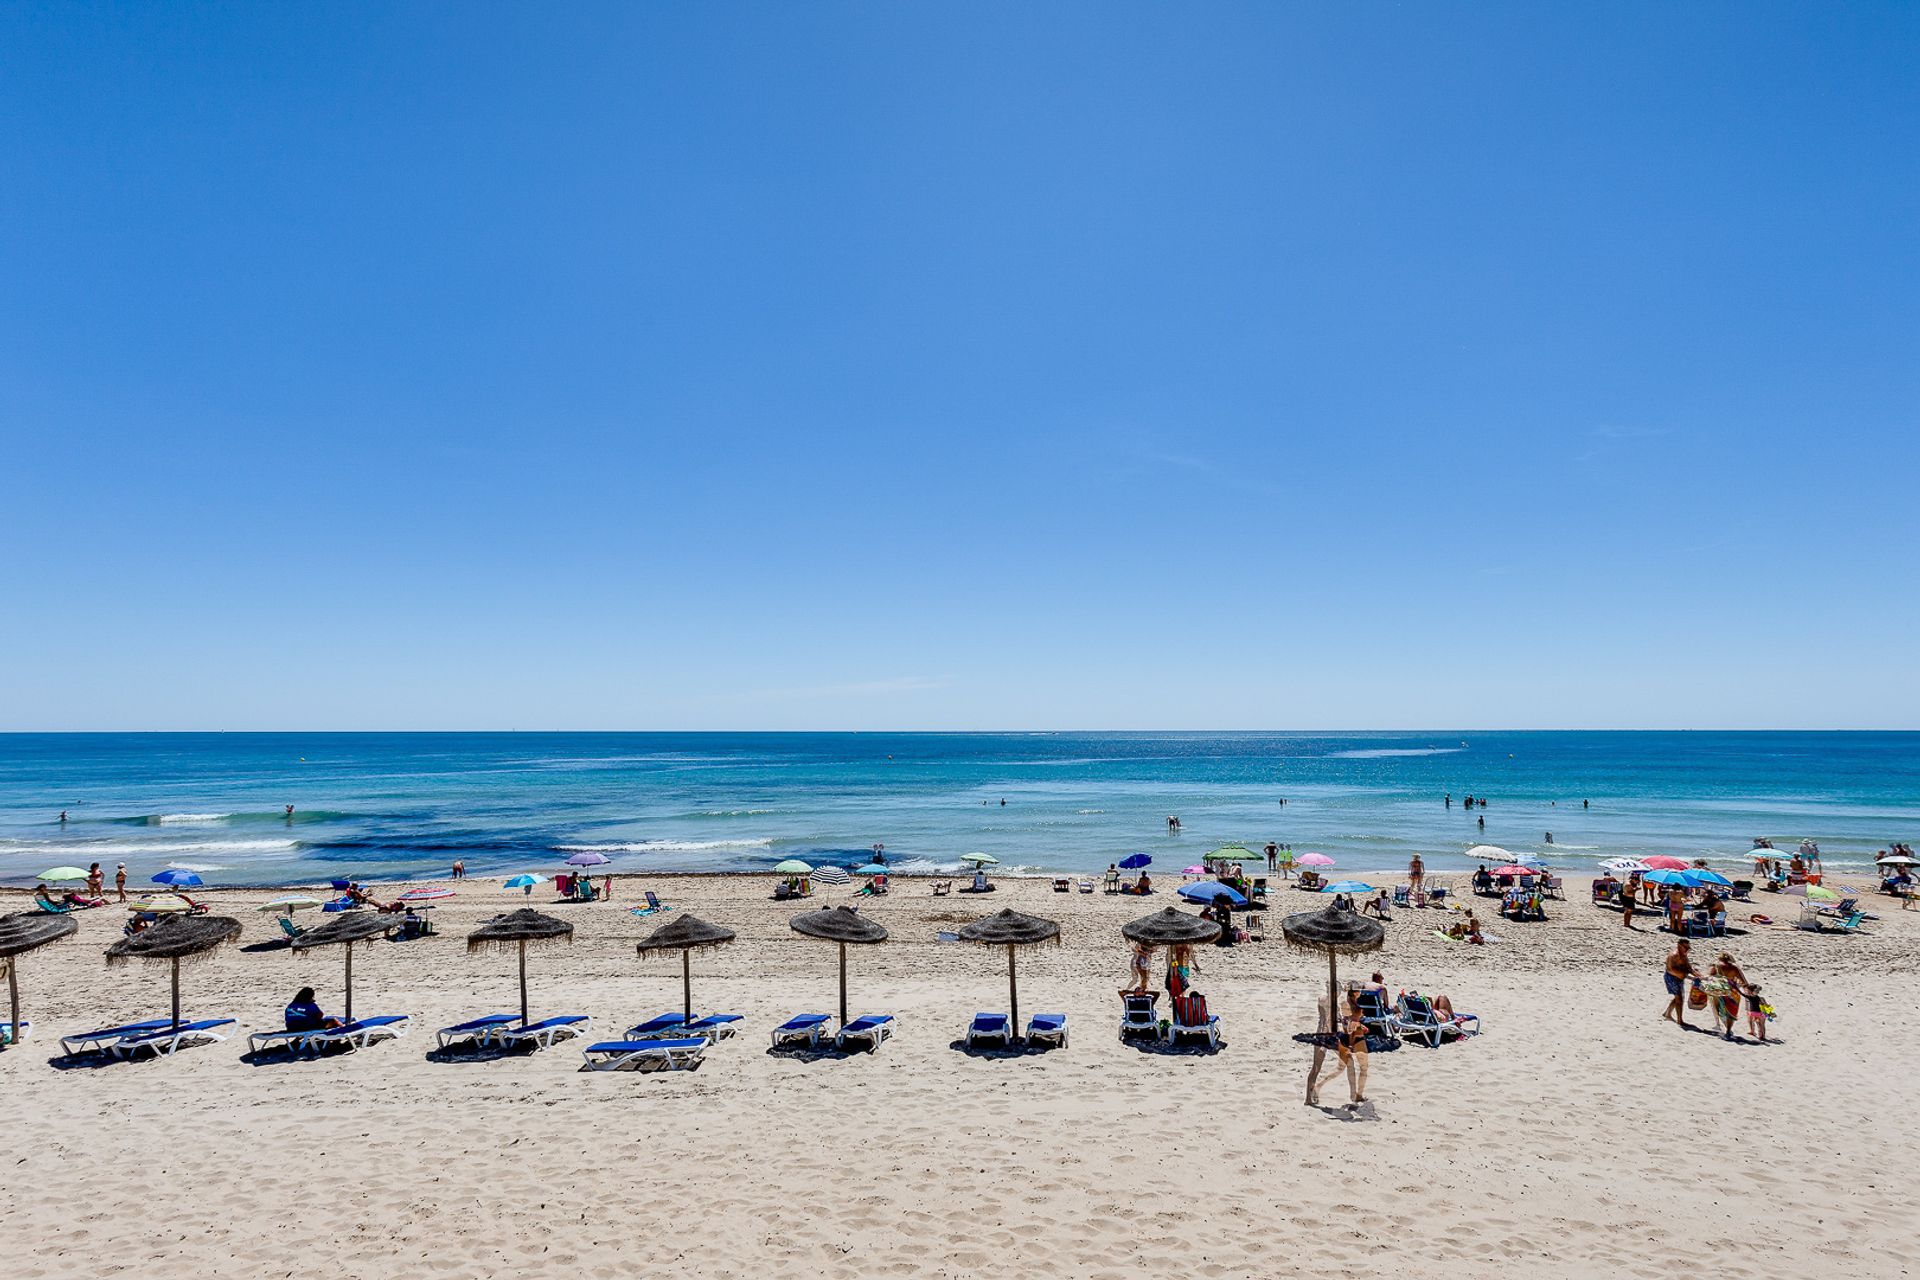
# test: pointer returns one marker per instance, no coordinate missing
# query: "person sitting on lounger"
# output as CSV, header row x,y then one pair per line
x,y
304,1014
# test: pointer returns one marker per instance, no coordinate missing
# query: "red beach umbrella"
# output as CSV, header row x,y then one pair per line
x,y
1661,862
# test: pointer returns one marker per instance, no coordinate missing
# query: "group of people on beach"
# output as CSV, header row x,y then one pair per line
x,y
1725,987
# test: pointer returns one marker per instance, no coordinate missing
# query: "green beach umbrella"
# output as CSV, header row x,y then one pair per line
x,y
62,873
980,859
793,867
1236,853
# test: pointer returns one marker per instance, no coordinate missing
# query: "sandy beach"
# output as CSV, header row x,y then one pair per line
x,y
1578,1134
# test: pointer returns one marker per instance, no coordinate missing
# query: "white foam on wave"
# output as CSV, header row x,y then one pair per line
x,y
193,866
1089,810
145,848
166,819
1381,753
664,846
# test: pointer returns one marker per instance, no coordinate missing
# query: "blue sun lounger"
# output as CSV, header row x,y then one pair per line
x,y
801,1026
987,1026
1048,1028
680,1054
543,1033
360,1033
664,1024
869,1028
715,1026
99,1041
166,1037
477,1030
15,1033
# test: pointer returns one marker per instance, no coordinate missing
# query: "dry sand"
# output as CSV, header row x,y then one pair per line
x,y
1579,1135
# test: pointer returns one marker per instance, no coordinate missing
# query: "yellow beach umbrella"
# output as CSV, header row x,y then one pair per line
x,y
160,904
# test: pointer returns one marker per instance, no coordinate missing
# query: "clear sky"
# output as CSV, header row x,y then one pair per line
x,y
1068,366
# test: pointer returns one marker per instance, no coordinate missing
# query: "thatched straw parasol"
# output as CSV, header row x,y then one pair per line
x,y
346,929
20,934
685,934
1009,929
845,926
1338,931
173,939
1169,928
517,929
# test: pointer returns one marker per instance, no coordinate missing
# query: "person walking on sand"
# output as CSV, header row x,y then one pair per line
x,y
1726,1003
1416,872
1679,970
1626,902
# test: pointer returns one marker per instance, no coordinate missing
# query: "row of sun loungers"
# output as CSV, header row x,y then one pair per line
x,y
668,1041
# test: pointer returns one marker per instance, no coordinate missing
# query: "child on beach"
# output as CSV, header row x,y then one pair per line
x,y
1758,1012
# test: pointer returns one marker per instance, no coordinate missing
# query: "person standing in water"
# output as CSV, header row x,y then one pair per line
x,y
1273,857
289,813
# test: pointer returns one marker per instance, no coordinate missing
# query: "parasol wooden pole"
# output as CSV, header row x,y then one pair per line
x,y
13,1000
1013,994
1334,1015
843,984
686,980
176,993
349,982
523,982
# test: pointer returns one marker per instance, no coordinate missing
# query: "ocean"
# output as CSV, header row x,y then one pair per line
x,y
405,805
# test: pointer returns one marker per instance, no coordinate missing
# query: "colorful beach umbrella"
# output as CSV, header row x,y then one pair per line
x,y
1235,853
588,858
1512,869
871,869
1664,875
792,867
830,875
1697,876
980,859
1135,861
1315,860
57,874
525,881
1820,893
179,877
1665,862
426,893
1195,870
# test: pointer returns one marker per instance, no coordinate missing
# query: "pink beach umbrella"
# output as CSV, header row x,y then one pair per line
x,y
1315,860
1195,870
1661,862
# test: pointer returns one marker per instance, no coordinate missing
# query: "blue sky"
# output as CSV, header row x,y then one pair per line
x,y
768,366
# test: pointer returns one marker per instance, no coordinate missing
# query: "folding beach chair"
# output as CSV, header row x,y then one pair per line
x,y
166,1038
1191,1019
870,1029
802,1026
1047,1028
1403,895
477,1030
1414,1019
682,1054
1374,1010
1137,1016
654,905
990,1026
542,1034
292,930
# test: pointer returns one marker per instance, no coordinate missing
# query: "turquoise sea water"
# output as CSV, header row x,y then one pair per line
x,y
399,805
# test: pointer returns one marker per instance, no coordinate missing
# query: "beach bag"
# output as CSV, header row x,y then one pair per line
x,y
1697,997
1192,1010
